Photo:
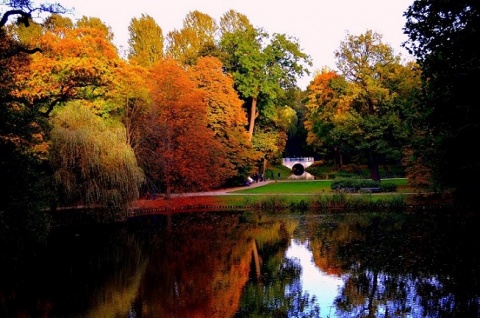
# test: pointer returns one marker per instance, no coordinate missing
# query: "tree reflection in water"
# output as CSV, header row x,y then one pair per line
x,y
402,265
249,264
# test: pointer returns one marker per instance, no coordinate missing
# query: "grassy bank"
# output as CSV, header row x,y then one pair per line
x,y
294,195
316,194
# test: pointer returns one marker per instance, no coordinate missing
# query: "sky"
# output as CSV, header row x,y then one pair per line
x,y
318,25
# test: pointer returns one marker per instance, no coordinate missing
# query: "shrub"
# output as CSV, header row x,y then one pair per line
x,y
388,187
353,184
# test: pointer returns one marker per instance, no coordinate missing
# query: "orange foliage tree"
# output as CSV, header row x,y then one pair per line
x,y
75,64
226,116
181,153
326,120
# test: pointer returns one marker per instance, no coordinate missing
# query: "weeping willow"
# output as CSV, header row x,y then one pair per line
x,y
93,164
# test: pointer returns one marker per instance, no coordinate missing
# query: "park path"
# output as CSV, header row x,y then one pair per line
x,y
223,191
181,200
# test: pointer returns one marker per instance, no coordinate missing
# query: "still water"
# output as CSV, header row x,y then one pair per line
x,y
250,264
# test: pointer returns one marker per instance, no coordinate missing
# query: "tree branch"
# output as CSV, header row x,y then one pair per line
x,y
19,49
24,19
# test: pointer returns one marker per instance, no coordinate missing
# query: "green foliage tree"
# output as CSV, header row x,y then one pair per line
x,y
146,41
329,126
92,161
262,67
297,145
442,37
378,100
271,134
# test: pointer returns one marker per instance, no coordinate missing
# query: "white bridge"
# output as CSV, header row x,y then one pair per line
x,y
298,165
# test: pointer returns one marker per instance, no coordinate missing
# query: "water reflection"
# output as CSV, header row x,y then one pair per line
x,y
236,264
324,286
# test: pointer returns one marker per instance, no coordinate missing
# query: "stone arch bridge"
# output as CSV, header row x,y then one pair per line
x,y
298,164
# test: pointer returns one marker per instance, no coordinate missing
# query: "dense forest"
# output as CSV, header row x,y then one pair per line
x,y
209,104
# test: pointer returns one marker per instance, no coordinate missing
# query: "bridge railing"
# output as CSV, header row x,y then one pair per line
x,y
299,159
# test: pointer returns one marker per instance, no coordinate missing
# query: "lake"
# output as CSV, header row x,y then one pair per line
x,y
252,264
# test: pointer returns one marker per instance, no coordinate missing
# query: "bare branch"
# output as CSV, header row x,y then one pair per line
x,y
25,17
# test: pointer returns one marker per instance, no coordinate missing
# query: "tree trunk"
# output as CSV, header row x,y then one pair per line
x,y
253,116
335,153
373,167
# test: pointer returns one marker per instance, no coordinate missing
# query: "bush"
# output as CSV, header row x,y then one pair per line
x,y
388,187
353,185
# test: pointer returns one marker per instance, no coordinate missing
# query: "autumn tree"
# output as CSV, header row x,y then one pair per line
x,y
75,63
197,35
80,64
377,106
23,168
180,151
30,35
146,41
92,161
130,100
24,173
22,144
330,129
226,117
442,37
95,23
233,21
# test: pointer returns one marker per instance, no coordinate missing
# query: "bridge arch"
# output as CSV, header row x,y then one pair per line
x,y
298,164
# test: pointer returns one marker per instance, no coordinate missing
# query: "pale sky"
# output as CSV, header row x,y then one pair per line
x,y
319,25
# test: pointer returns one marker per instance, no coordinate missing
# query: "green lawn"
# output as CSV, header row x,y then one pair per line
x,y
307,187
296,187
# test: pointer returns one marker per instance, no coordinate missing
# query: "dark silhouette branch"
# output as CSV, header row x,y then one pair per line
x,y
25,17
24,10
18,50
